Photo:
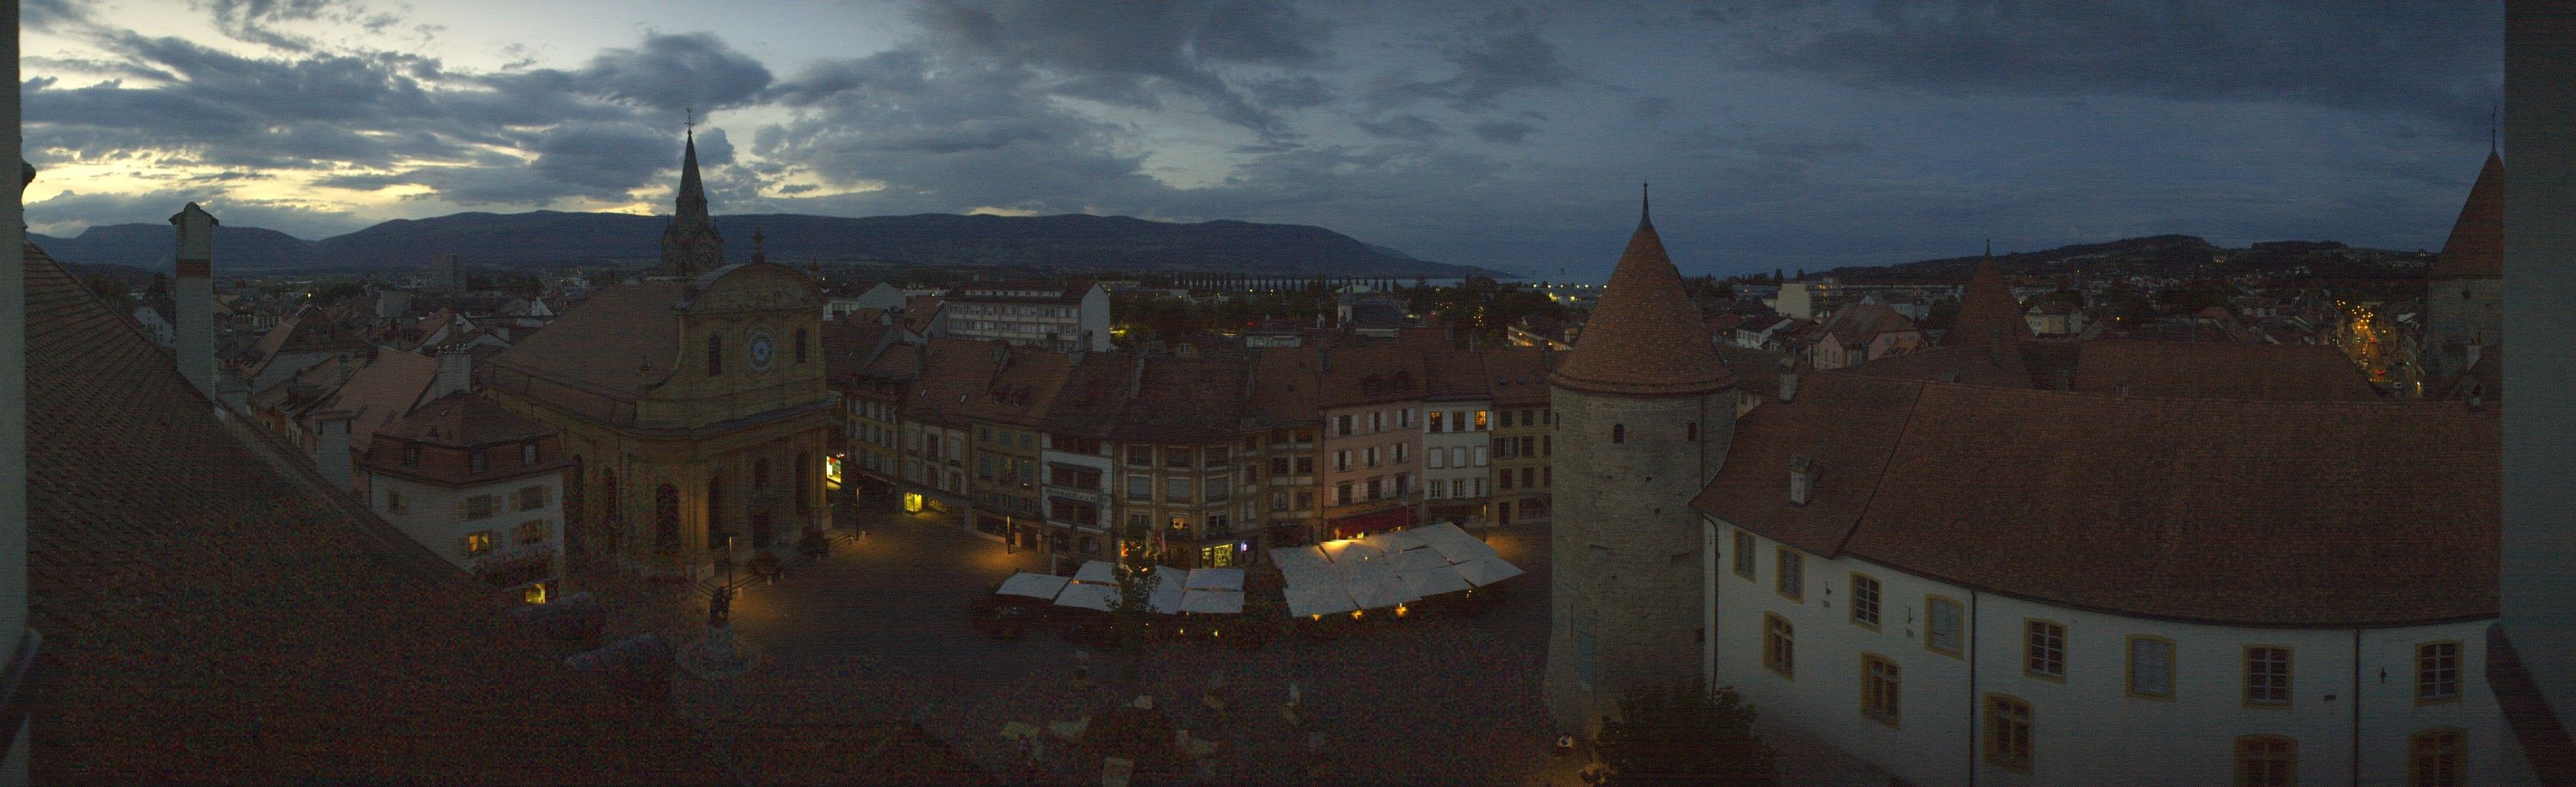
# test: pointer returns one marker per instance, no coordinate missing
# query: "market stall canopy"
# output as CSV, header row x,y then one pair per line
x,y
1318,599
1378,591
1463,550
1038,586
1351,551
1432,581
1098,572
1215,579
1299,558
1220,602
1401,540
1166,597
1416,560
1089,596
1487,570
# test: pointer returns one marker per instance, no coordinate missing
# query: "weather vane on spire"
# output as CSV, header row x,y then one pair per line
x,y
690,115
2492,111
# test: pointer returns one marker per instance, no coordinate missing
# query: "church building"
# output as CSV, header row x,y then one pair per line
x,y
692,406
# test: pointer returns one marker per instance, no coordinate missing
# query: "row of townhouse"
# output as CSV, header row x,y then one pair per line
x,y
1204,453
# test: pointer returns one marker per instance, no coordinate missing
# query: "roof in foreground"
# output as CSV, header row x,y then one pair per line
x,y
207,619
2292,514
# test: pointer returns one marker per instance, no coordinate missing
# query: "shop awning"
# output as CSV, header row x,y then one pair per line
x,y
1038,586
1099,597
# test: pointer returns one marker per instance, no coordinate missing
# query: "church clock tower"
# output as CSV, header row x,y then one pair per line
x,y
690,245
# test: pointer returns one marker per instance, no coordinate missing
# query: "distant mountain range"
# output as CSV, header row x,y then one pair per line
x,y
2173,256
1066,243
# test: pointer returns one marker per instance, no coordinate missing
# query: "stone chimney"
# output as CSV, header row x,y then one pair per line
x,y
1802,479
455,373
331,446
192,298
1788,387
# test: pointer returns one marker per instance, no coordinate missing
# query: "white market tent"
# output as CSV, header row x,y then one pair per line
x,y
1319,598
1215,579
1037,586
1400,540
1344,552
1378,591
1098,572
1433,581
1298,558
1088,596
1167,594
1416,560
1468,550
1220,602
1487,570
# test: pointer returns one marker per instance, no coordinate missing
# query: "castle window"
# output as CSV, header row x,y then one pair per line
x,y
2267,676
1691,432
1744,556
2151,667
2437,672
1618,433
1880,698
411,455
2044,649
2266,761
1944,626
715,355
2433,758
1779,646
2008,726
1791,580
1864,600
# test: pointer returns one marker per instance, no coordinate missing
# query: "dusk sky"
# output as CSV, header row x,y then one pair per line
x,y
1776,134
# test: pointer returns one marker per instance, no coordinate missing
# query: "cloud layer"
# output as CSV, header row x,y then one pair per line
x,y
1779,134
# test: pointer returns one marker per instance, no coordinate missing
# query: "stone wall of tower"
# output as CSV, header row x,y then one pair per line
x,y
1627,546
2467,310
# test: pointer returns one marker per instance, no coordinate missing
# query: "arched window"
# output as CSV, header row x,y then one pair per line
x,y
1618,433
804,481
800,345
759,475
666,519
715,513
715,355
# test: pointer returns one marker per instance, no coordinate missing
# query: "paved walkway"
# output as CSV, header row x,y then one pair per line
x,y
879,631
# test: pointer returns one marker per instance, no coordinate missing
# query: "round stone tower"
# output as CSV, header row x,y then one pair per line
x,y
1644,414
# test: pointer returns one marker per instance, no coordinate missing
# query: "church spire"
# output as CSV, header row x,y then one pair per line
x,y
690,244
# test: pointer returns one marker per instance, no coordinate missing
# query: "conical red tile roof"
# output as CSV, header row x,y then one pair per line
x,y
1645,337
1987,307
2476,247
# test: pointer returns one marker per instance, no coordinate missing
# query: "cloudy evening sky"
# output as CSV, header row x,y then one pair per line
x,y
1788,134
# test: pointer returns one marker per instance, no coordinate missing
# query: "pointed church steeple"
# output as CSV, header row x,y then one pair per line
x,y
690,244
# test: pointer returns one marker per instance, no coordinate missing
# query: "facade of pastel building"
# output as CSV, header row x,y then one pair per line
x,y
477,484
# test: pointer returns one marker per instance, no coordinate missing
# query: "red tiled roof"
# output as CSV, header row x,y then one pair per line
x,y
209,618
2243,513
1645,337
623,341
383,390
1987,308
2476,246
1518,375
2205,370
1287,385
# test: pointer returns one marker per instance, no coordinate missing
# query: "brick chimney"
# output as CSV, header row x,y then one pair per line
x,y
455,373
192,296
331,446
1802,479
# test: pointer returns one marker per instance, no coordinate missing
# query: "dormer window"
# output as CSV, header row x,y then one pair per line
x,y
528,454
1618,433
474,462
411,455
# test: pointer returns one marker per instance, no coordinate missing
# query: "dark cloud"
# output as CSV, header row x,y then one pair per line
x,y
2373,57
1507,132
669,72
1133,54
51,15
1405,126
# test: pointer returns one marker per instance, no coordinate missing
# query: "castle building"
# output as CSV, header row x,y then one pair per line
x,y
694,411
1644,414
2464,297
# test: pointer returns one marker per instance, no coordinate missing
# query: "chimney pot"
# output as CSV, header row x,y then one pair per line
x,y
1788,387
1802,479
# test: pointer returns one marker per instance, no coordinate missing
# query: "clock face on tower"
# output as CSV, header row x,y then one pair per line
x,y
761,350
